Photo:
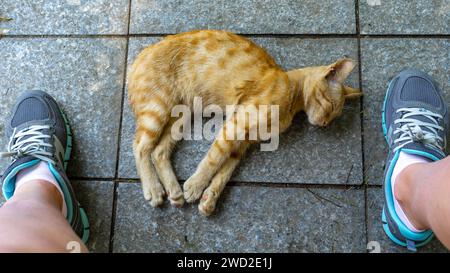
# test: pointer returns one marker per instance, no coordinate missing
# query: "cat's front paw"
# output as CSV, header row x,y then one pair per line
x,y
154,194
207,203
176,198
193,188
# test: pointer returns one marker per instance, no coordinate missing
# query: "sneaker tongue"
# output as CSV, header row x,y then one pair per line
x,y
425,150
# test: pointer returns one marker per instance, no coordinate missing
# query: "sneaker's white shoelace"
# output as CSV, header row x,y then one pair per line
x,y
29,141
412,129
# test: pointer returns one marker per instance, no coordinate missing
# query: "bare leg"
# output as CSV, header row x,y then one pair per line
x,y
423,191
32,221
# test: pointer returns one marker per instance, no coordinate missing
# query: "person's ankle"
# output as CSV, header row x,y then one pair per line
x,y
405,193
43,190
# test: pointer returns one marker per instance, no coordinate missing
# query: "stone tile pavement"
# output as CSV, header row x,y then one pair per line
x,y
319,192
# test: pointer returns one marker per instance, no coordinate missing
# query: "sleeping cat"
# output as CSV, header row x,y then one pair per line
x,y
223,69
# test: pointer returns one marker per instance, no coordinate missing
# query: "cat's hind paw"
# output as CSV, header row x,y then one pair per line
x,y
193,188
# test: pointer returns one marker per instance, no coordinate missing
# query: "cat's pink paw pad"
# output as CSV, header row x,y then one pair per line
x,y
204,197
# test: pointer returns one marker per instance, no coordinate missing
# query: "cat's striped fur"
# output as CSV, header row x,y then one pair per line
x,y
223,69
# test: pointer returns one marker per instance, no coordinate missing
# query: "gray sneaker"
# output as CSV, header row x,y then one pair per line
x,y
415,121
39,131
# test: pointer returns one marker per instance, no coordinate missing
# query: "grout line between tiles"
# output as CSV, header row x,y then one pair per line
x,y
358,34
236,183
119,137
265,184
266,35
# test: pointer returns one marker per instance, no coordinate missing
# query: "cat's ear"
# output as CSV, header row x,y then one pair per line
x,y
340,70
350,92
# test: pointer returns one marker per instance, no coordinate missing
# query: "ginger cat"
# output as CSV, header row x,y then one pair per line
x,y
223,69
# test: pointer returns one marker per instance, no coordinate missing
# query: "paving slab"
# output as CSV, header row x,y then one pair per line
x,y
86,77
244,16
248,219
376,232
306,154
96,198
65,16
404,17
382,59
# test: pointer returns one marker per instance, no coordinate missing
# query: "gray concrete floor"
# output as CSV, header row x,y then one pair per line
x,y
319,192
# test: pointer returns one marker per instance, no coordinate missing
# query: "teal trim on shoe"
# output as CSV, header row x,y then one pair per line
x,y
86,227
9,184
397,241
68,141
70,204
388,231
421,153
404,230
83,215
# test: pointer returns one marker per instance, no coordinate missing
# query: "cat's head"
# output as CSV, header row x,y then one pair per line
x,y
324,92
